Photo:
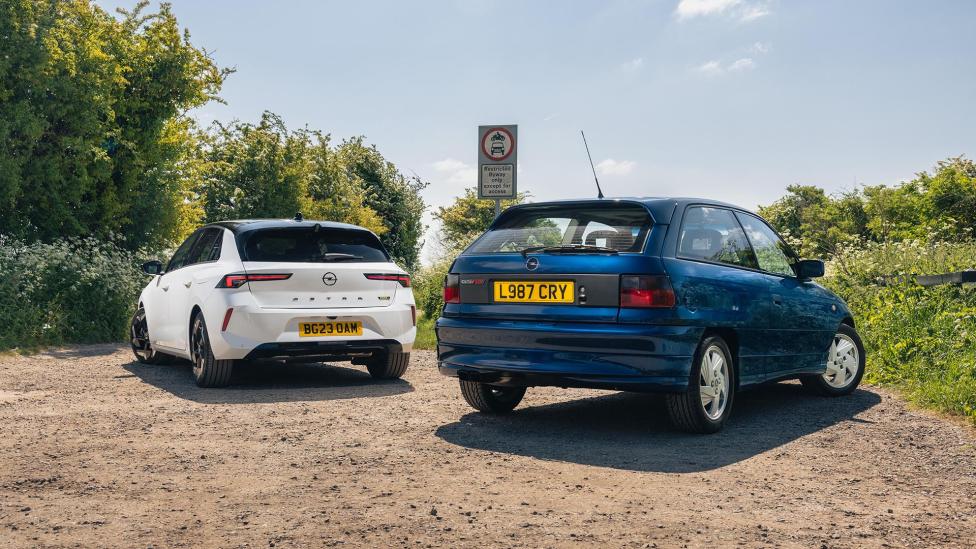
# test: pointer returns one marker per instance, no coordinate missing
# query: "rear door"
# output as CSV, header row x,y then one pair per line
x,y
205,250
718,284
554,262
327,268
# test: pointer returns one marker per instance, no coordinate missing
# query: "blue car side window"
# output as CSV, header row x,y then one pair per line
x,y
770,249
714,235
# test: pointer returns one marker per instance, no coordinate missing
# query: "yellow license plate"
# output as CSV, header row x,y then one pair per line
x,y
325,329
558,291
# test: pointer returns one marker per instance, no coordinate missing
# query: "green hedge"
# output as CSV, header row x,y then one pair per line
x,y
921,341
72,291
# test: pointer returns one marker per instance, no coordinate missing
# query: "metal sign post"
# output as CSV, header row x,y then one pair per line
x,y
497,163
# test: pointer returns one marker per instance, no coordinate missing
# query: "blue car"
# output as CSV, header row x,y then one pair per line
x,y
693,298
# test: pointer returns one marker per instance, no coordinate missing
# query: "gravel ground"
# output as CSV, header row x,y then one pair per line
x,y
96,450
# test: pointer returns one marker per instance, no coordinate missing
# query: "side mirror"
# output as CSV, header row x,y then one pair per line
x,y
809,268
152,267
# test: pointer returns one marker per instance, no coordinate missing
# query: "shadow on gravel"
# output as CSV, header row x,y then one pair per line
x,y
631,431
264,382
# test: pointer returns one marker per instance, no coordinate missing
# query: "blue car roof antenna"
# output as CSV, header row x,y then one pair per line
x,y
599,191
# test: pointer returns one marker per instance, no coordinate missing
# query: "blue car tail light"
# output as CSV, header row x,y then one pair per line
x,y
646,291
452,289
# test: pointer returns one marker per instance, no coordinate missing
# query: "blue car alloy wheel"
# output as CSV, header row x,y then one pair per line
x,y
695,299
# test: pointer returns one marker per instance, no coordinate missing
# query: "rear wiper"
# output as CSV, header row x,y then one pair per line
x,y
342,257
572,248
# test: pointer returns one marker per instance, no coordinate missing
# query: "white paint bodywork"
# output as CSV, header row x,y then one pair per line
x,y
172,298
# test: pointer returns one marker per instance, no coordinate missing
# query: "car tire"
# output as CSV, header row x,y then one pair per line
x,y
139,340
707,403
207,370
390,365
846,352
491,399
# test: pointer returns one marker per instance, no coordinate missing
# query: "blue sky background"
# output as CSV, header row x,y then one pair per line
x,y
727,99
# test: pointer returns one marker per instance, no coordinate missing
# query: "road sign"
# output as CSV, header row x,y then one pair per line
x,y
497,161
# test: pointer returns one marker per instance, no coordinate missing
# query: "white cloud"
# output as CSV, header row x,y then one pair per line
x,y
743,64
759,47
694,8
615,167
751,13
457,172
711,67
633,65
714,68
743,10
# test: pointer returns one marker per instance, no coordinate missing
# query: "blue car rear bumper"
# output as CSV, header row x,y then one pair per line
x,y
630,357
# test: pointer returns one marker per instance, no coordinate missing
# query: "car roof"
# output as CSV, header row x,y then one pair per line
x,y
238,226
661,208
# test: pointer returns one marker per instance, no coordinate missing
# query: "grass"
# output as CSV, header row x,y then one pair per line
x,y
426,339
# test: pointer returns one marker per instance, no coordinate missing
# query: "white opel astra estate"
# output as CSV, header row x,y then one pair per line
x,y
293,290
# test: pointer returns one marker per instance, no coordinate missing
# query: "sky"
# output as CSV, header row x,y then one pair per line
x,y
724,99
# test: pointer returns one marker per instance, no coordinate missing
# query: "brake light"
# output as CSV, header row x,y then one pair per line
x,y
403,279
646,291
413,314
236,280
452,289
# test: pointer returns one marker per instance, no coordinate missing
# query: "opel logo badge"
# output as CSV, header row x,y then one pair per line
x,y
532,263
329,279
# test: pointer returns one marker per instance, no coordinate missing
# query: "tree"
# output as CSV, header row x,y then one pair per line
x,y
468,217
265,170
393,196
93,130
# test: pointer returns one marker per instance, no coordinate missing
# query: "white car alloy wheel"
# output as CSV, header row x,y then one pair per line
x,y
713,385
842,362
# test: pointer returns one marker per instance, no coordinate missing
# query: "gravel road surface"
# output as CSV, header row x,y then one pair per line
x,y
96,450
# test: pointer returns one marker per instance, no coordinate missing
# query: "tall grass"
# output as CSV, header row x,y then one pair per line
x,y
919,340
72,291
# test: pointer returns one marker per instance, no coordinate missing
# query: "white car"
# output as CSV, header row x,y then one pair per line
x,y
312,291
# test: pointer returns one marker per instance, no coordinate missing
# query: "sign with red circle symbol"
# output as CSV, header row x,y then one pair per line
x,y
497,144
497,162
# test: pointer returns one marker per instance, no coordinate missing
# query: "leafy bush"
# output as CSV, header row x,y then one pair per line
x,y
920,340
70,291
428,287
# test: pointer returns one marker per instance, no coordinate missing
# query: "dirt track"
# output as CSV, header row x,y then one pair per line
x,y
96,450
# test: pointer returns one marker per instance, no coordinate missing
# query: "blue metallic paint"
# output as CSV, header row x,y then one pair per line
x,y
780,326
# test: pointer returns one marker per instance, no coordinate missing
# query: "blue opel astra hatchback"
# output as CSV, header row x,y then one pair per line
x,y
692,298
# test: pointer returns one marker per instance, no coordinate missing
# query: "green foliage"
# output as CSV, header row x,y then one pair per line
x,y
428,287
919,340
265,170
942,205
78,291
93,136
392,195
468,217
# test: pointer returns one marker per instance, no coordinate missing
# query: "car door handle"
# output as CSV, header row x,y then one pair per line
x,y
777,299
188,283
165,288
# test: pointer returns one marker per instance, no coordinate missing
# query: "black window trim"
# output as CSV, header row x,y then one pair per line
x,y
194,235
677,250
241,239
731,265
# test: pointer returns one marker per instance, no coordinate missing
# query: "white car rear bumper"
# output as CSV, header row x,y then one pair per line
x,y
254,332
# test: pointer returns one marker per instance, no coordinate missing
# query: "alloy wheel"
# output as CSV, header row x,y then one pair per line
x,y
842,362
713,383
198,346
140,336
